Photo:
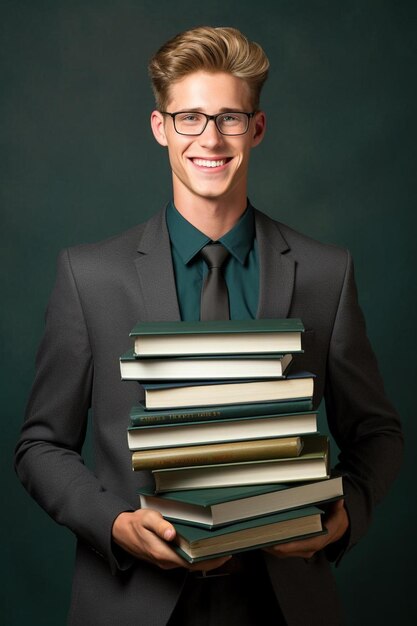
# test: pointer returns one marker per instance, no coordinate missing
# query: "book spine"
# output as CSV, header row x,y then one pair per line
x,y
239,327
250,450
139,417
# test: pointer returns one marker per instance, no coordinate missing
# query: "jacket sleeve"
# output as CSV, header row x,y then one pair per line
x,y
362,420
48,454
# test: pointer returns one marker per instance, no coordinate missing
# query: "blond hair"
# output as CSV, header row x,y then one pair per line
x,y
208,49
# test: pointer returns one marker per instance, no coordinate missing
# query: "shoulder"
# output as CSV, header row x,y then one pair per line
x,y
301,247
113,252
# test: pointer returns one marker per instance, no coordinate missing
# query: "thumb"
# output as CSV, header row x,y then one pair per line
x,y
153,521
166,531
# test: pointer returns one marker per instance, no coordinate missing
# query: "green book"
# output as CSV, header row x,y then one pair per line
x,y
211,508
221,430
264,336
211,367
177,394
195,544
312,464
140,416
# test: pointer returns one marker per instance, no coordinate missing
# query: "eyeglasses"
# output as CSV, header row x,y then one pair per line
x,y
194,123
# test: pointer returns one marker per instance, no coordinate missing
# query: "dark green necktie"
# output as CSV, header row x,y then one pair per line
x,y
214,296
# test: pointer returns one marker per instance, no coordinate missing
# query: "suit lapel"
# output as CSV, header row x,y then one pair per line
x,y
154,267
156,273
277,270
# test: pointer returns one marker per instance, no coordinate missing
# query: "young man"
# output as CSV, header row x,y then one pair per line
x,y
207,84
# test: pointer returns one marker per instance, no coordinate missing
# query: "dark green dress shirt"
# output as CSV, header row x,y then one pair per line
x,y
241,270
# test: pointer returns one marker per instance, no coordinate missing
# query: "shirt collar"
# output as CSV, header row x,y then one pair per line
x,y
188,240
239,240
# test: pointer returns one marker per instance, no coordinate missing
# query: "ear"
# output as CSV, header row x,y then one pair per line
x,y
158,127
259,128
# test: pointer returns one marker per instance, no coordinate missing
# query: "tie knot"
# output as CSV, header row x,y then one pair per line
x,y
214,254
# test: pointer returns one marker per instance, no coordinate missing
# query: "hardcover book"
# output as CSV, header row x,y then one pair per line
x,y
140,416
221,452
221,430
194,543
311,464
203,368
207,393
215,507
217,337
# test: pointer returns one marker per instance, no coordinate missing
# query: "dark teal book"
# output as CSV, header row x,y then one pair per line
x,y
142,417
194,543
221,430
210,367
211,508
218,337
174,395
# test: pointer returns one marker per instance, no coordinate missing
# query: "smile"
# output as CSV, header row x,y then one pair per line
x,y
210,163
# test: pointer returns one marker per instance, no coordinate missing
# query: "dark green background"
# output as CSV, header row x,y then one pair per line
x,y
79,164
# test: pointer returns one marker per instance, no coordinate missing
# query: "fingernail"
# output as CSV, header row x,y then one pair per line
x,y
168,534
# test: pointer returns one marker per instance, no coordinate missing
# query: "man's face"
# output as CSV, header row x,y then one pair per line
x,y
211,165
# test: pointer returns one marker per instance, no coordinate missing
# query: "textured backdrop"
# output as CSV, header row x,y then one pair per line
x,y
78,163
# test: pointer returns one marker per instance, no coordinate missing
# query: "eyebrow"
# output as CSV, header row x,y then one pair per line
x,y
222,110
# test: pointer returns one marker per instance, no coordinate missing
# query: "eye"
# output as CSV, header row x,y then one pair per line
x,y
189,117
230,118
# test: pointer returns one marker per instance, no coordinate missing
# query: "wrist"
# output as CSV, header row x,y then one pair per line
x,y
120,524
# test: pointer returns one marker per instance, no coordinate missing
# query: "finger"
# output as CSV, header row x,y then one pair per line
x,y
159,552
284,555
299,548
336,523
153,521
304,545
169,559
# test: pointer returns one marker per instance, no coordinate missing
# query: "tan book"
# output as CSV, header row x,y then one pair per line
x,y
230,452
312,464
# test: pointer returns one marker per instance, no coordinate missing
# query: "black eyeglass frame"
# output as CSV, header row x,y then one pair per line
x,y
208,118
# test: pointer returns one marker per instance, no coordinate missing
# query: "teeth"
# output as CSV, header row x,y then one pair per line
x,y
205,163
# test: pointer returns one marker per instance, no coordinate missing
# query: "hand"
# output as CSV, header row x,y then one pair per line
x,y
336,521
145,534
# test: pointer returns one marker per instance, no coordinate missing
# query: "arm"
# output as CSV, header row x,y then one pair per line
x,y
145,535
361,419
364,425
48,454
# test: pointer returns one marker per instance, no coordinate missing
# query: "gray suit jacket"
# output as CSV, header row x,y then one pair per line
x,y
101,291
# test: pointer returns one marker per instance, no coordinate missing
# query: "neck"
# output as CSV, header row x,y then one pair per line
x,y
213,217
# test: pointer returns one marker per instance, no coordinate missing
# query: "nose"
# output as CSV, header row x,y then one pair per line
x,y
211,136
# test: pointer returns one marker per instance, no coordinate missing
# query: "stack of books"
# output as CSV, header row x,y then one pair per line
x,y
229,433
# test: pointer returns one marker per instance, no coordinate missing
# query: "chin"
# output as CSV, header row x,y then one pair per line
x,y
210,193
